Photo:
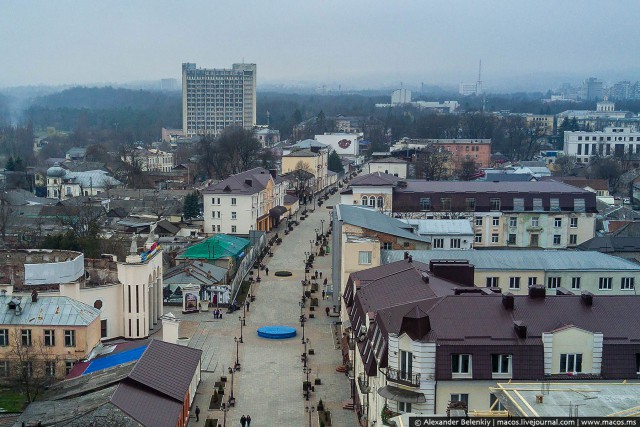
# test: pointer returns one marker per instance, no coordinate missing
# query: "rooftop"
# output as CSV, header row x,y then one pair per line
x,y
510,259
371,219
46,311
441,226
216,247
247,182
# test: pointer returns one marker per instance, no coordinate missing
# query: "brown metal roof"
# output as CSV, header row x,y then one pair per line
x,y
149,409
167,368
247,182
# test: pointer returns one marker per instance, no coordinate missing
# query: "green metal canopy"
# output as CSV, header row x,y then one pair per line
x,y
216,247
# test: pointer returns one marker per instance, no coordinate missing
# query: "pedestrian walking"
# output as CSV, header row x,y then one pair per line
x,y
325,281
266,270
243,421
197,413
248,420
321,274
323,293
248,303
316,274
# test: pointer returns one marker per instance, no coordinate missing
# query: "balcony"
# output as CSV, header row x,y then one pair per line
x,y
404,378
363,384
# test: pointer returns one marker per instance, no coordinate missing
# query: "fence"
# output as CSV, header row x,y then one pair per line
x,y
259,243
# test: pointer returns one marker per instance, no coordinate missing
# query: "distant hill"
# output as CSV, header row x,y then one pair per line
x,y
105,98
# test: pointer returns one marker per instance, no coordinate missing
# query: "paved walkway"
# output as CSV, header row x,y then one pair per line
x,y
269,384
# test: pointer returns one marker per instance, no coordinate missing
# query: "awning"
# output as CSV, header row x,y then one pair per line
x,y
401,395
278,211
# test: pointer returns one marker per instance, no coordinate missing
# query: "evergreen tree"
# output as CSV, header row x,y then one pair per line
x,y
11,165
191,206
334,164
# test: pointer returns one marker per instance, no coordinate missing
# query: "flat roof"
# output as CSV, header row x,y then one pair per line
x,y
46,311
563,399
510,259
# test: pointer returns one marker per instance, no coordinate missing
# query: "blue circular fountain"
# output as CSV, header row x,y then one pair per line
x,y
276,332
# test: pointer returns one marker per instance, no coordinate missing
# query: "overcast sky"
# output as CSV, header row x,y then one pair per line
x,y
367,43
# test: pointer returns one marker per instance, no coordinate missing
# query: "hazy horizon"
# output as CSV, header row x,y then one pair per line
x,y
352,45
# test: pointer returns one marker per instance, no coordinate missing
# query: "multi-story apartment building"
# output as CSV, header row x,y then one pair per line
x,y
250,200
150,160
213,99
621,142
418,339
513,214
515,270
389,165
314,160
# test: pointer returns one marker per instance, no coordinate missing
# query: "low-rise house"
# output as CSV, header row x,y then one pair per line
x,y
222,250
444,233
389,165
211,280
63,184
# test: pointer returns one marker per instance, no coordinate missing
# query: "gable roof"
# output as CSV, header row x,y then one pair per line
x,y
371,219
247,182
216,247
375,179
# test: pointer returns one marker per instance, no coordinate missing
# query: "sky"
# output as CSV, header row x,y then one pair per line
x,y
353,43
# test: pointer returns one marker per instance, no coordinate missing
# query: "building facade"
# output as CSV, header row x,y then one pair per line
x,y
63,184
389,165
620,142
151,160
213,99
314,160
244,202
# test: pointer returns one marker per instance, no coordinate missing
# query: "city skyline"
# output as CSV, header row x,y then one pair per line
x,y
355,44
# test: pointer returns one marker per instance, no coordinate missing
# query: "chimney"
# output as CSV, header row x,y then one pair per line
x,y
406,255
537,291
520,328
274,173
410,259
587,298
402,184
425,277
34,296
249,182
508,300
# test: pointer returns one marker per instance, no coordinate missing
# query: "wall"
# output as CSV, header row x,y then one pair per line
x,y
111,297
54,272
573,340
397,169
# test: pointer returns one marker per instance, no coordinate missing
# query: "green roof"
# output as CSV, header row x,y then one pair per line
x,y
216,247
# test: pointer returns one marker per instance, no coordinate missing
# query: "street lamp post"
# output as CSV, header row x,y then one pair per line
x,y
305,352
302,322
225,409
307,371
242,323
317,229
322,226
232,371
311,246
237,350
310,410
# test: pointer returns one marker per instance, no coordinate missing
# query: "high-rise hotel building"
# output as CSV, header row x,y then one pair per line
x,y
213,99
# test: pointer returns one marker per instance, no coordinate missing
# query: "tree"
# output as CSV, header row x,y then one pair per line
x,y
606,168
566,164
301,178
28,363
6,217
468,169
191,206
334,163
98,153
432,165
11,165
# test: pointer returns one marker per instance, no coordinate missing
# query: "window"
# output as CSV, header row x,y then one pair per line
x,y
364,257
492,282
575,283
604,283
534,240
573,222
456,243
553,282
570,362
478,238
461,364
557,222
68,366
478,221
556,239
233,201
578,205
69,338
25,335
495,204
627,283
4,337
406,365
27,369
471,204
537,205
234,229
49,337
364,201
425,204
638,363
438,243
535,221
573,239
511,239
501,364
372,201
103,328
50,368
495,221
234,215
4,368
533,281
513,221
460,397
518,204
380,202
514,283
495,404
495,238
404,407
446,204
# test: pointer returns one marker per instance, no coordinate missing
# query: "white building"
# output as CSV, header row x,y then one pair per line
x,y
63,184
621,142
389,165
345,144
400,96
444,233
249,200
151,160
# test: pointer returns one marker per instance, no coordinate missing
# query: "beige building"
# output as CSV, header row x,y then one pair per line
x,y
45,335
389,165
151,160
314,160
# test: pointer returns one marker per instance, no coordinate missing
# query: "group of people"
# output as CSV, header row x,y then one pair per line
x,y
217,314
245,421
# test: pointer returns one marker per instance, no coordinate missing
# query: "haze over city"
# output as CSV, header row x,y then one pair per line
x,y
355,44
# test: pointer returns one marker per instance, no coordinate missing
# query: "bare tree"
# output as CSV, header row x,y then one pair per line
x,y
6,217
432,165
31,364
301,178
